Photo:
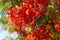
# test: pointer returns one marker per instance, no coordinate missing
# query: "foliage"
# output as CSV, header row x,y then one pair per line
x,y
31,19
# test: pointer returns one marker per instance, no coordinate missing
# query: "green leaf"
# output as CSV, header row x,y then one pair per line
x,y
39,21
20,38
55,35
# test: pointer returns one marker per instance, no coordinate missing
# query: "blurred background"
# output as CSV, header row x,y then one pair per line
x,y
5,26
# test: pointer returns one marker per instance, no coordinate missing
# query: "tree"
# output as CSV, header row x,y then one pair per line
x,y
32,19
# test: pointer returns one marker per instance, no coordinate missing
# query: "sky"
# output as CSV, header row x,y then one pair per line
x,y
4,33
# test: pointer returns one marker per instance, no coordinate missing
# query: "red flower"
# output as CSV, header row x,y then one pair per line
x,y
57,26
30,37
27,1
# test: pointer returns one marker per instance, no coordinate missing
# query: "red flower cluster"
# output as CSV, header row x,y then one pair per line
x,y
42,1
41,33
24,17
27,13
37,1
57,26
